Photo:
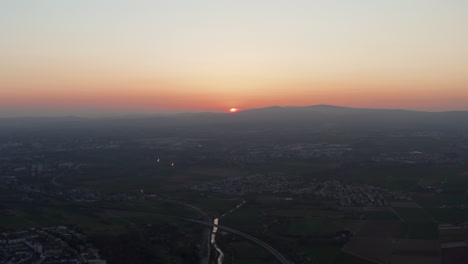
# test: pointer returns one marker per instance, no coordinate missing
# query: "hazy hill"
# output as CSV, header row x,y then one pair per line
x,y
275,118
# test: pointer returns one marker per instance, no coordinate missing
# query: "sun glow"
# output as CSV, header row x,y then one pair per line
x,y
233,110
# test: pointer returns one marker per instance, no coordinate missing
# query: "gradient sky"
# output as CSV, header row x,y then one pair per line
x,y
90,57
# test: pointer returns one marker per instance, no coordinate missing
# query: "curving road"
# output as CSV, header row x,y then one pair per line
x,y
205,254
283,259
279,256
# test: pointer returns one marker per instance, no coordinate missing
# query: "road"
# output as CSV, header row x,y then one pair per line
x,y
279,256
206,250
282,259
207,222
54,181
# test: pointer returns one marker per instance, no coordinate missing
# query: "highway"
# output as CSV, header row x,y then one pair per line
x,y
282,259
206,250
279,256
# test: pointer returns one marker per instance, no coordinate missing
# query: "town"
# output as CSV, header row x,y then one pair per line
x,y
344,194
47,245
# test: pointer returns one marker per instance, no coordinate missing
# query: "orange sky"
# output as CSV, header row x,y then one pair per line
x,y
115,57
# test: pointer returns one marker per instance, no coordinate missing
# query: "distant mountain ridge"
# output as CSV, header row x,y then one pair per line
x,y
310,108
274,119
334,108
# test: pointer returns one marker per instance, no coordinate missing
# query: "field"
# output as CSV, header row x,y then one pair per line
x,y
325,254
92,219
301,224
244,252
405,178
417,223
409,237
377,250
379,229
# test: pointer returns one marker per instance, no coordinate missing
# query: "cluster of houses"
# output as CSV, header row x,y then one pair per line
x,y
239,186
79,195
344,194
418,157
51,245
31,158
14,184
266,153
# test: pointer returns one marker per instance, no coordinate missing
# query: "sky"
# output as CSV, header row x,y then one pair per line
x,y
100,57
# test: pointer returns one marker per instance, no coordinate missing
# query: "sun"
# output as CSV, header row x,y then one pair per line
x,y
233,110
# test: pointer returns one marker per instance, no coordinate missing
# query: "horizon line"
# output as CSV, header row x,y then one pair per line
x,y
137,114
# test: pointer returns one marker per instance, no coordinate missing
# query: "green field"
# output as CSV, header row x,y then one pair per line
x,y
92,219
405,178
417,223
326,254
379,215
449,215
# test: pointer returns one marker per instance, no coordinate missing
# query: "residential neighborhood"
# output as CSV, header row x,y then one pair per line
x,y
48,245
